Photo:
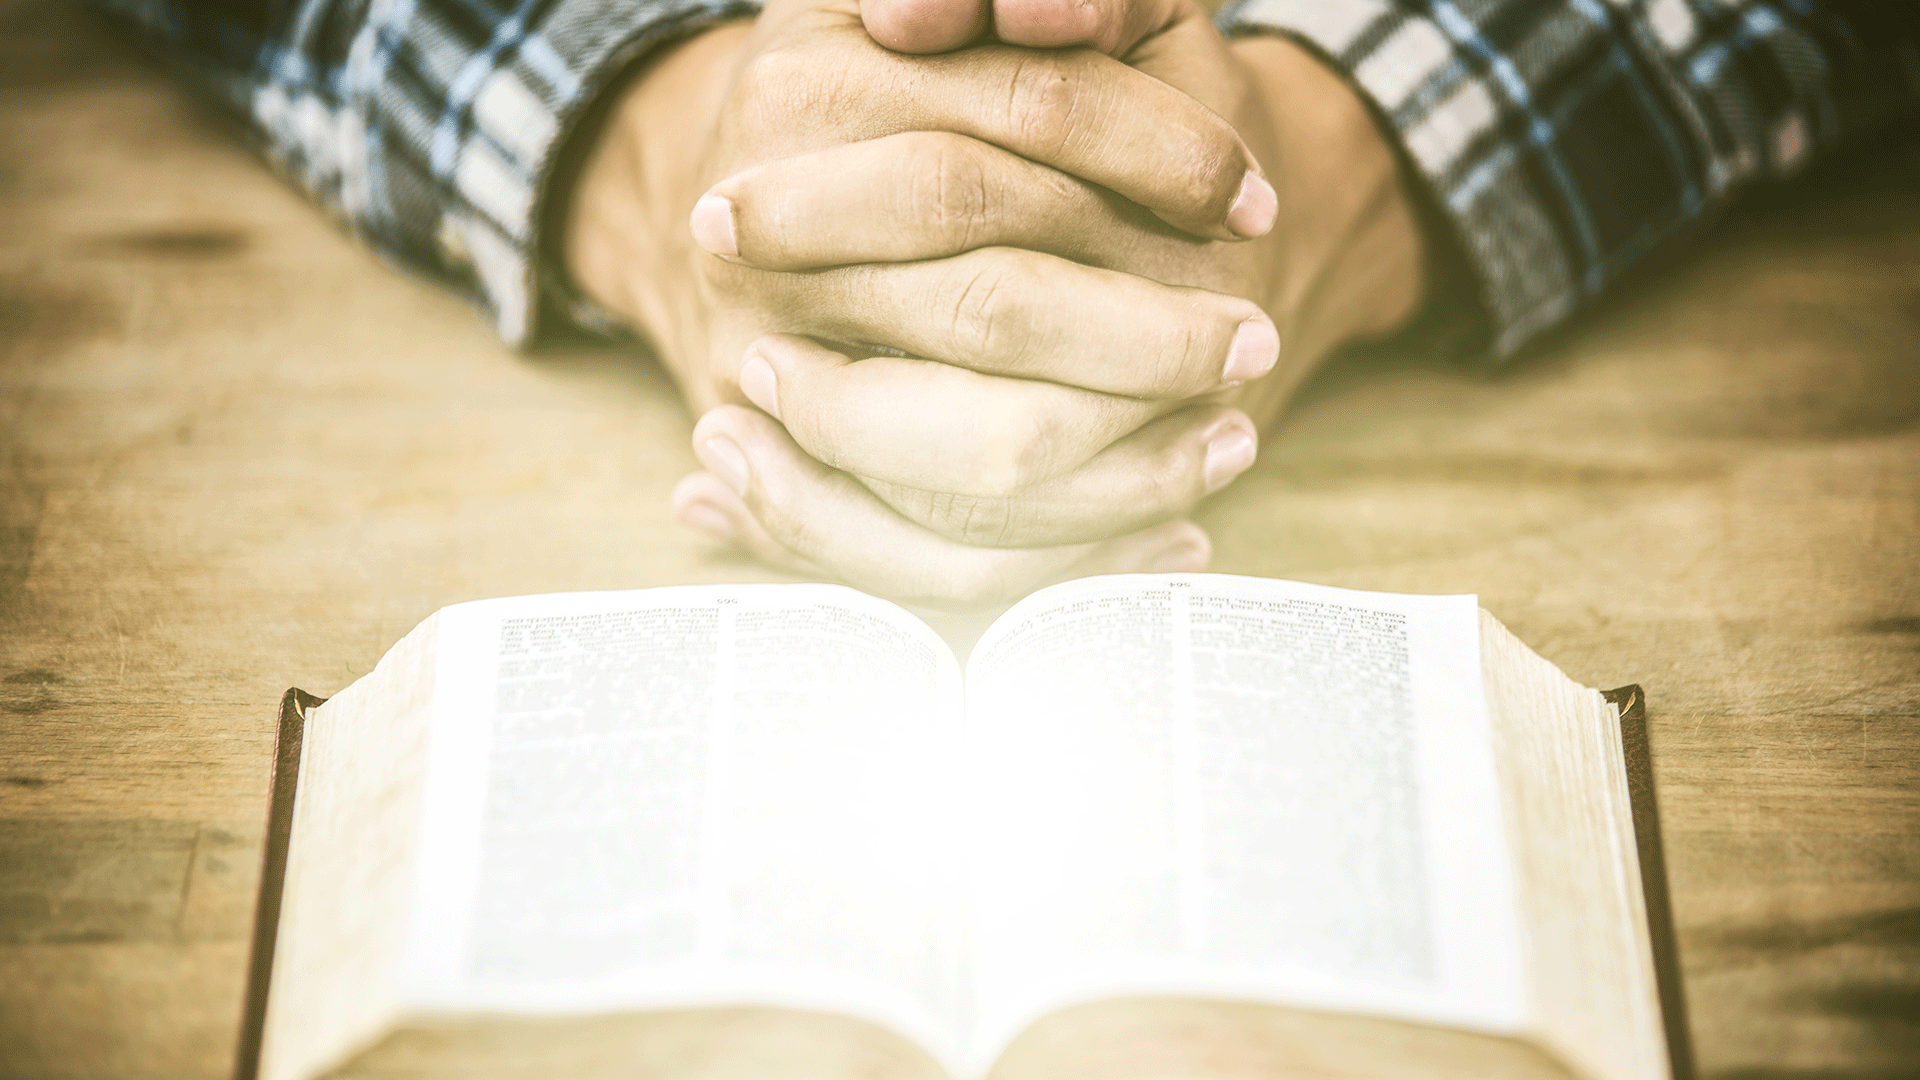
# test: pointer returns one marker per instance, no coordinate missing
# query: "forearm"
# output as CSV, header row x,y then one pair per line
x,y
1559,148
1348,245
623,220
430,134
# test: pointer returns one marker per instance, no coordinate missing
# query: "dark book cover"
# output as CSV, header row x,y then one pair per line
x,y
1632,705
295,705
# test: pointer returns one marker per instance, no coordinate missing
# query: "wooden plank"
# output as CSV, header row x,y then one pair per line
x,y
237,453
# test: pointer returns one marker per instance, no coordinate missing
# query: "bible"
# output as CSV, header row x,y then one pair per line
x,y
1154,825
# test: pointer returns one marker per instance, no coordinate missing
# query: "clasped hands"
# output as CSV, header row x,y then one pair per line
x,y
969,312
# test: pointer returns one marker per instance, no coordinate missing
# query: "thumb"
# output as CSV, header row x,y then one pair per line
x,y
926,26
1111,26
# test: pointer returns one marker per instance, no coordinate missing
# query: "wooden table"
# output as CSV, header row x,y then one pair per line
x,y
237,453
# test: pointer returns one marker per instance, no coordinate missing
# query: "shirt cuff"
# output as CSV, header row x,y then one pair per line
x,y
1503,273
524,108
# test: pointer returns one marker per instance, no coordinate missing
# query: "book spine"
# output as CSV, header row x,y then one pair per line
x,y
1631,702
294,706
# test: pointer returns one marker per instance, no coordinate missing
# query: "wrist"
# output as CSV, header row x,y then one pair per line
x,y
1353,262
623,221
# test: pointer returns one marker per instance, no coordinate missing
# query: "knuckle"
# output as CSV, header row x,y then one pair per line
x,y
951,192
985,523
970,519
791,514
1018,449
773,504
975,308
990,325
767,77
1043,103
785,82
1187,362
1208,172
974,520
819,432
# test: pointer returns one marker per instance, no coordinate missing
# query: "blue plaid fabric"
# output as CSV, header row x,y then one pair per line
x,y
430,127
1562,139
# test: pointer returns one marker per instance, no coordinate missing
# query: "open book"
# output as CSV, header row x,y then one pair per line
x,y
1380,813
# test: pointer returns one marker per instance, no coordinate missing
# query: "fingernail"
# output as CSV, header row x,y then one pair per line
x,y
758,383
1255,349
1252,212
723,458
708,519
712,224
1182,558
1229,454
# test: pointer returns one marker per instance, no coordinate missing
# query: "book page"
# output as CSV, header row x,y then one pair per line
x,y
344,903
1237,787
1564,770
687,796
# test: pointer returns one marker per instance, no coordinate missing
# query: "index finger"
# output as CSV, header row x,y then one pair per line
x,y
784,505
1075,110
935,26
1112,26
924,26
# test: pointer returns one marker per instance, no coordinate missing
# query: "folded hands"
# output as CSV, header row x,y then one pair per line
x,y
996,304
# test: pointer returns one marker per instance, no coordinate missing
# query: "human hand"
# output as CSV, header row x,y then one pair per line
x,y
1344,260
1343,264
934,26
806,77
1052,429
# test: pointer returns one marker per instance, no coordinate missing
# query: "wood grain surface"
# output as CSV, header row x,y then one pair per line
x,y
238,453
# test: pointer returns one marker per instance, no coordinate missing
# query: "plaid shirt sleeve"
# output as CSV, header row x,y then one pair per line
x,y
430,127
1562,139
